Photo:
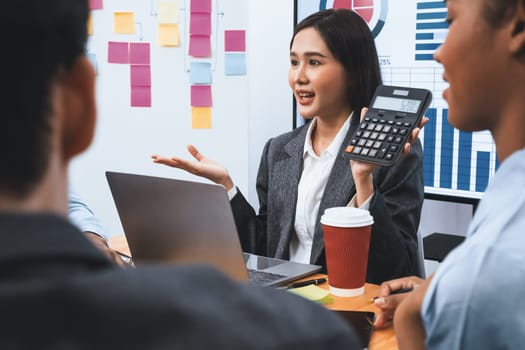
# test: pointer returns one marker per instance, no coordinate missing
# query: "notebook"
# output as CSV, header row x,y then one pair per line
x,y
177,221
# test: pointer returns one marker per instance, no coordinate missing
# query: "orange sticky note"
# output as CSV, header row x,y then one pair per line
x,y
201,118
90,24
124,22
168,12
168,35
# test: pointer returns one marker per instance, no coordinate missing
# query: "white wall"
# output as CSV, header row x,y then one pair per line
x,y
271,27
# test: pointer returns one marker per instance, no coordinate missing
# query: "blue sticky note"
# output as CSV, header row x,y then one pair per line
x,y
200,73
93,59
235,63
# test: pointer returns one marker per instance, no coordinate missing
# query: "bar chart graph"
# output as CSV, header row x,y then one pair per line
x,y
431,28
455,162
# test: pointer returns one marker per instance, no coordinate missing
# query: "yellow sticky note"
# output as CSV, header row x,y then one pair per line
x,y
168,35
201,118
124,22
168,12
313,293
90,24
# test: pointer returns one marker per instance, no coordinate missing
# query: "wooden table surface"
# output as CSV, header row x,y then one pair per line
x,y
382,339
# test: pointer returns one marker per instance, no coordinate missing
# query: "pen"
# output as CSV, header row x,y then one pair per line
x,y
394,292
316,282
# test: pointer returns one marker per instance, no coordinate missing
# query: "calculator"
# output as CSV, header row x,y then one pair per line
x,y
388,124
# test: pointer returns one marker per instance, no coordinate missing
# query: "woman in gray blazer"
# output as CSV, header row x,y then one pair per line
x,y
333,74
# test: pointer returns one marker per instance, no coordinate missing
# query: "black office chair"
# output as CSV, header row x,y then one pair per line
x,y
437,245
421,271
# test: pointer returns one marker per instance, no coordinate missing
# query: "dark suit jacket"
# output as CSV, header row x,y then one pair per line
x,y
58,292
396,206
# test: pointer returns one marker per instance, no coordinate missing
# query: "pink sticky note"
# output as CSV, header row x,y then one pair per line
x,y
139,53
141,96
140,75
118,52
200,6
200,46
201,96
200,23
95,4
234,40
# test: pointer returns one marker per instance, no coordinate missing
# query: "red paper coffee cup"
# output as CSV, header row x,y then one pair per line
x,y
346,233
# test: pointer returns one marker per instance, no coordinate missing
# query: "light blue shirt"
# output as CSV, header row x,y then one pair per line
x,y
82,217
476,299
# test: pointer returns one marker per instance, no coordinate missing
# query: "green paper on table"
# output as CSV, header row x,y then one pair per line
x,y
314,293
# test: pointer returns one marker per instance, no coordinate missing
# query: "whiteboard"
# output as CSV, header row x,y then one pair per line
x,y
126,136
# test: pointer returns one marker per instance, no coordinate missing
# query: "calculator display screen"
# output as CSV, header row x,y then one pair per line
x,y
396,104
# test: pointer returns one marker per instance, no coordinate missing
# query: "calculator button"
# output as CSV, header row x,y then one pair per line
x,y
361,142
349,149
374,135
372,153
382,152
390,138
369,143
387,128
375,120
399,123
365,151
398,139
395,130
359,133
366,134
403,131
370,127
353,142
363,126
357,150
393,148
367,119
390,122
389,156
382,121
377,144
381,137
406,124
379,127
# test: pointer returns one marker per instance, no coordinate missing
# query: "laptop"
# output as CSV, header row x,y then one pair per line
x,y
177,221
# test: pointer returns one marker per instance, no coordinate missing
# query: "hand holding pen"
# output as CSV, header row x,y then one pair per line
x,y
391,294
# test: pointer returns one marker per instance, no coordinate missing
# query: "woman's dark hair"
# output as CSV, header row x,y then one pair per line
x,y
46,39
349,39
498,12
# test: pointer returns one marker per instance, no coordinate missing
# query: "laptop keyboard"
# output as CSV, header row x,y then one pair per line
x,y
258,277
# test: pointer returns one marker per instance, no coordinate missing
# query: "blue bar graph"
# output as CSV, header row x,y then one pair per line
x,y
447,151
432,15
464,160
424,36
430,28
429,148
482,170
432,25
427,46
431,5
425,57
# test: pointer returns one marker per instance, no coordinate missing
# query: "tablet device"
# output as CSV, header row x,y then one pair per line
x,y
361,322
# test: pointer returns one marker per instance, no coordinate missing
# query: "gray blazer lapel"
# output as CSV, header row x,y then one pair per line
x,y
338,192
288,171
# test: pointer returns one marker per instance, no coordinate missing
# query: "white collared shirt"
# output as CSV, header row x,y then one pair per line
x,y
314,178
